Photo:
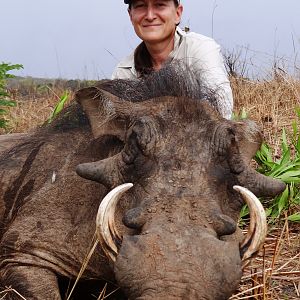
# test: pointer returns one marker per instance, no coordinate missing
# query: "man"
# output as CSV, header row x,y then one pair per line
x,y
156,23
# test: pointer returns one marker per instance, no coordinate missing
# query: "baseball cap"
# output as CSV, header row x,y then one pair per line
x,y
129,1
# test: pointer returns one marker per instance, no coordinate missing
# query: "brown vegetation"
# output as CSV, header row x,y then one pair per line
x,y
269,102
275,272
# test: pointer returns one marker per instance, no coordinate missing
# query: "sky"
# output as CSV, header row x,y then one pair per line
x,y
86,38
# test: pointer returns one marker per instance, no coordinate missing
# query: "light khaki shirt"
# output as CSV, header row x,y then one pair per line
x,y
200,53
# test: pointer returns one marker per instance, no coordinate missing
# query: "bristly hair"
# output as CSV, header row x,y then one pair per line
x,y
175,79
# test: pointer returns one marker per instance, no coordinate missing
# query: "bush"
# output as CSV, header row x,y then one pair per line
x,y
285,168
5,100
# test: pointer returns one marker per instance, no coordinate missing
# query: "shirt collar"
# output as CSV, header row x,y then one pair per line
x,y
177,41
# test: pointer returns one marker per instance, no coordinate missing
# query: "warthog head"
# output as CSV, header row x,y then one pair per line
x,y
189,168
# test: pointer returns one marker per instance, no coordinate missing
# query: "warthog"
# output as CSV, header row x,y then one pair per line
x,y
173,234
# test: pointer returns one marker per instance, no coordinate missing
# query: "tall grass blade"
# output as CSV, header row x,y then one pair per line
x,y
284,144
283,200
59,106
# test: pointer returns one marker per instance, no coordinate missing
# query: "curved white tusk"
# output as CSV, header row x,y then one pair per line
x,y
257,232
105,225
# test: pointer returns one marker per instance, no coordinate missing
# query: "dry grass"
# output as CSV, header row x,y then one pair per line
x,y
275,272
8,291
32,110
271,103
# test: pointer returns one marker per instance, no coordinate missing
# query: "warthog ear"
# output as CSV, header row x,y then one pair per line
x,y
103,110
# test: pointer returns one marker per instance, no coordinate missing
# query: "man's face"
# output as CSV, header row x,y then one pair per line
x,y
154,20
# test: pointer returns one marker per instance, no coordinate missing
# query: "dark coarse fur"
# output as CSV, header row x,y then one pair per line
x,y
175,79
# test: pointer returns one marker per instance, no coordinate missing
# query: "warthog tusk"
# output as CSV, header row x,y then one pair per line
x,y
106,230
257,232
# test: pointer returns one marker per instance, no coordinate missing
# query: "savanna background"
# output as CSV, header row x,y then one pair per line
x,y
260,43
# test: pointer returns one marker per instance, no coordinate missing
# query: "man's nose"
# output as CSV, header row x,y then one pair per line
x,y
150,14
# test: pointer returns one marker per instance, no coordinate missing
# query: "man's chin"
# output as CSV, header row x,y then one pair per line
x,y
152,37
150,33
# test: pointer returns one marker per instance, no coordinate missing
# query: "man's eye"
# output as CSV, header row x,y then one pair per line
x,y
160,4
139,5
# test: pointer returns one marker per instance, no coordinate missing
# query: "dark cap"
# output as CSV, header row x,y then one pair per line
x,y
129,1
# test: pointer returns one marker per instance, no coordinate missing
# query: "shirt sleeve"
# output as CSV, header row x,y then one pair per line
x,y
205,56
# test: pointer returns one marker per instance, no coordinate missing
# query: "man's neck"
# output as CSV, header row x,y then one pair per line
x,y
160,52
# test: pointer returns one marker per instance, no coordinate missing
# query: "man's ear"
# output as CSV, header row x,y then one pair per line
x,y
129,13
179,11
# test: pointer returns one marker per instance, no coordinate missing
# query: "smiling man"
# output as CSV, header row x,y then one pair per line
x,y
156,23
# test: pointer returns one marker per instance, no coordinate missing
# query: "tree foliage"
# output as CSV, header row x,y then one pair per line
x,y
5,100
